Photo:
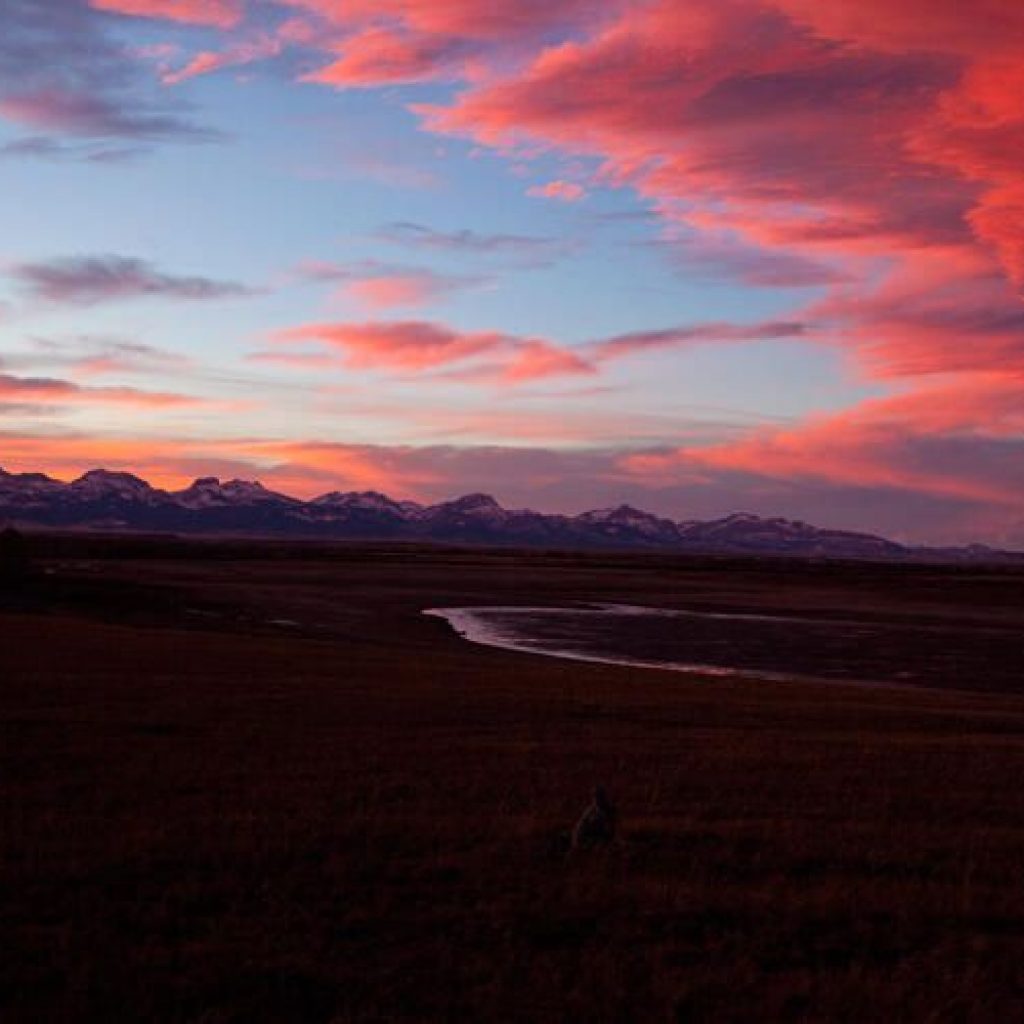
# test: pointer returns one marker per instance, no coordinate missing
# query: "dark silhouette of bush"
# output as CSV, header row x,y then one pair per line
x,y
15,558
597,824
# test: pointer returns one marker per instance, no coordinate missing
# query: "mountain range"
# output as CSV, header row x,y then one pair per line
x,y
118,501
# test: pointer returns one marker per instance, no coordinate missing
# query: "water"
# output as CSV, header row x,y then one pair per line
x,y
765,646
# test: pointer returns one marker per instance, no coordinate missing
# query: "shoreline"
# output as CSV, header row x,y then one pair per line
x,y
468,623
476,624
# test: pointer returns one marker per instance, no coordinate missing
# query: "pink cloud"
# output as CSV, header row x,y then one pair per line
x,y
870,150
777,135
988,26
535,360
381,286
53,390
495,21
386,42
210,61
926,441
216,13
564,191
402,345
378,56
397,290
495,357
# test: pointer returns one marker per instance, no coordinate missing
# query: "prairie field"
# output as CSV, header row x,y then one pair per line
x,y
246,782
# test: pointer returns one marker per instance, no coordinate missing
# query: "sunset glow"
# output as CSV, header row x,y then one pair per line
x,y
696,256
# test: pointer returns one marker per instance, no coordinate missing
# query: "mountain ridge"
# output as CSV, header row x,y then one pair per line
x,y
116,500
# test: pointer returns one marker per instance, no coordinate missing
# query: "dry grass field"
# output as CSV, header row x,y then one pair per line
x,y
245,783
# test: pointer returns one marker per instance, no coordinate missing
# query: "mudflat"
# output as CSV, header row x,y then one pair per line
x,y
252,782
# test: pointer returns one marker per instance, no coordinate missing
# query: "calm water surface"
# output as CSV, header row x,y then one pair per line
x,y
947,655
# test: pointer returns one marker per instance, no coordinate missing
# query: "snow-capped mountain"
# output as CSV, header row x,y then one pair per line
x,y
365,501
471,512
626,521
209,492
358,514
99,485
26,490
121,501
745,532
97,497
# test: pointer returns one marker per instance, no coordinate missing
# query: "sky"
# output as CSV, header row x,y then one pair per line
x,y
700,256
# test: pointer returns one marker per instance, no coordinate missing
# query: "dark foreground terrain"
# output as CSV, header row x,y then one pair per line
x,y
247,783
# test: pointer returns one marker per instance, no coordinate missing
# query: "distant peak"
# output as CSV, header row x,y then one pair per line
x,y
617,512
629,512
109,474
248,485
114,477
476,500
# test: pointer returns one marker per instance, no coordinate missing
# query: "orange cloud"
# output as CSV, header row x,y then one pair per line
x,y
169,463
302,468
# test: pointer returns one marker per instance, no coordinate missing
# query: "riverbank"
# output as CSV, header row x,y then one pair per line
x,y
880,651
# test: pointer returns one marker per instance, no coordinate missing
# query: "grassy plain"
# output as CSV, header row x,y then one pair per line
x,y
244,782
